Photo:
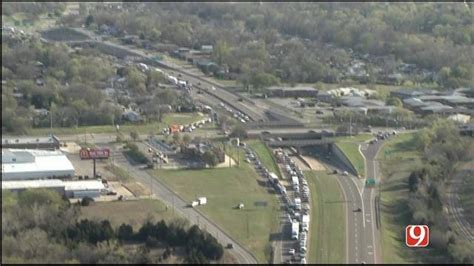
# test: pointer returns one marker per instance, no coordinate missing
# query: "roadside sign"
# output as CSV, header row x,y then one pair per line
x,y
87,154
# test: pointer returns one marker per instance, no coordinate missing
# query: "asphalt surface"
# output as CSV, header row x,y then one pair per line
x,y
165,194
361,232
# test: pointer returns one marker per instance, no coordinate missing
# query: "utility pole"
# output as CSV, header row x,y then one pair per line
x,y
350,125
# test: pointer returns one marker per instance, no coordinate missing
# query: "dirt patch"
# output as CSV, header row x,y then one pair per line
x,y
314,164
136,189
226,162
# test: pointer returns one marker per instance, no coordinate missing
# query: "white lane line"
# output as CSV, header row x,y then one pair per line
x,y
368,220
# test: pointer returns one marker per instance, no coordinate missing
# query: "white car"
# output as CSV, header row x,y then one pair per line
x,y
345,173
291,251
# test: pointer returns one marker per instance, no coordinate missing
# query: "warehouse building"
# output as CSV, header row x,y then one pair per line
x,y
71,189
43,143
292,91
35,164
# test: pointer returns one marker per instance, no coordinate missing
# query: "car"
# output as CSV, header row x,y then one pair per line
x,y
345,173
113,193
335,172
179,75
291,251
230,246
240,99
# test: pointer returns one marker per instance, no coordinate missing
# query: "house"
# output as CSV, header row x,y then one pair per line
x,y
131,116
297,91
464,119
207,66
206,48
198,150
325,96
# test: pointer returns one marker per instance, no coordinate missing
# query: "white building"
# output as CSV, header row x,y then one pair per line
x,y
81,189
72,189
34,164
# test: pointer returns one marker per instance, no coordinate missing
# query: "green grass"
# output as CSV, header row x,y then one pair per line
x,y
351,150
396,165
225,188
264,154
328,227
349,145
358,138
154,127
133,212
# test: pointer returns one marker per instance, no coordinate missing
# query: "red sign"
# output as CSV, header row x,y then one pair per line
x,y
94,153
417,236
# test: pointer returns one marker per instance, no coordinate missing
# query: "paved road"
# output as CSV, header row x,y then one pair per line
x,y
180,206
361,232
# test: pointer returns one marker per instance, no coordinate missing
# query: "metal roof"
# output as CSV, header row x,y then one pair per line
x,y
47,183
84,185
22,161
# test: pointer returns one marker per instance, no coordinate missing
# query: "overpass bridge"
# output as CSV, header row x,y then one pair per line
x,y
300,143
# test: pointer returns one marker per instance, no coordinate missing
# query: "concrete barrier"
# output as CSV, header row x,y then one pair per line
x,y
338,152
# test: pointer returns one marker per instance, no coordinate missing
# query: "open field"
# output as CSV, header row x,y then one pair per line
x,y
264,154
133,212
154,127
225,188
327,238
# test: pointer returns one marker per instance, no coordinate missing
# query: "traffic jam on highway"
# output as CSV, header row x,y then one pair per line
x,y
296,202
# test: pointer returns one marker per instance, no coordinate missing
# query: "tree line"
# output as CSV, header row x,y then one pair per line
x,y
41,227
263,43
442,149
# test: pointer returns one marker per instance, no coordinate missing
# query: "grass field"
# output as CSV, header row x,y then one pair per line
x,y
125,129
264,154
133,212
328,227
398,158
467,199
350,147
351,150
225,188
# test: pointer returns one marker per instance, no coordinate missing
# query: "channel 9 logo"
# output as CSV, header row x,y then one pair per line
x,y
417,236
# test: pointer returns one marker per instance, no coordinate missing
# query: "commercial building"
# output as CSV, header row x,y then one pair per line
x,y
35,164
44,143
292,91
71,189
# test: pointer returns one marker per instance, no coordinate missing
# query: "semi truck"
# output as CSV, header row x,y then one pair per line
x,y
305,222
295,230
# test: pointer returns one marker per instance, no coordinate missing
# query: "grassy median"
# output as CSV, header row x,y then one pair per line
x,y
225,188
350,147
328,226
264,154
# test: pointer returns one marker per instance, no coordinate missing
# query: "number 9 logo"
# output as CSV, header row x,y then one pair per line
x,y
417,236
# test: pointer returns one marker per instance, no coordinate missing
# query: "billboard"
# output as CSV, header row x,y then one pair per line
x,y
94,153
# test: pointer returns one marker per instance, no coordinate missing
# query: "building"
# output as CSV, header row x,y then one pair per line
x,y
71,189
351,92
35,164
43,143
292,91
81,189
131,116
19,186
460,118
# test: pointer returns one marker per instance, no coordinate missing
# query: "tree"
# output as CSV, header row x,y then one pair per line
x,y
134,135
89,21
176,138
239,132
86,201
394,101
210,158
186,139
221,52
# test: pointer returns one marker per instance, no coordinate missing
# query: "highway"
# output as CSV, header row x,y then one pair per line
x,y
170,198
361,232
